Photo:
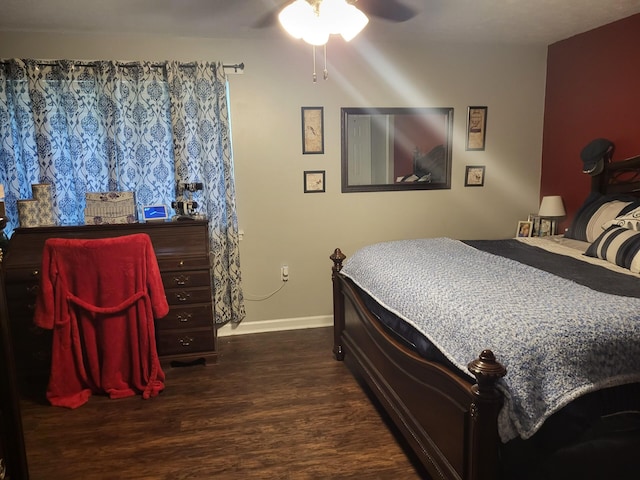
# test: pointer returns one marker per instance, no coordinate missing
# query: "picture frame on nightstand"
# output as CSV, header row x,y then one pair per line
x,y
546,227
534,218
524,228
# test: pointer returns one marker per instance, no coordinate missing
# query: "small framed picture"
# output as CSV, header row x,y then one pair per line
x,y
312,130
476,128
546,227
314,181
534,218
524,229
474,176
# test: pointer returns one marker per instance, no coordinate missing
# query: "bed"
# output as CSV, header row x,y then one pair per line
x,y
537,378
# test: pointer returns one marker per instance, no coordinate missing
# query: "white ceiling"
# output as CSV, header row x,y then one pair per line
x,y
477,21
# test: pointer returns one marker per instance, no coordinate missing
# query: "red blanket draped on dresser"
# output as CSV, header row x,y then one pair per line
x,y
100,297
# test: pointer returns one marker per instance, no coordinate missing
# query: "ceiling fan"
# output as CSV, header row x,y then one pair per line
x,y
390,10
314,21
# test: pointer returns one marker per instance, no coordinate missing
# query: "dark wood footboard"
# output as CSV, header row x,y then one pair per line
x,y
449,422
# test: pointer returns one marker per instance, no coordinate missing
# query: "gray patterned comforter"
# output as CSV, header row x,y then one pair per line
x,y
557,339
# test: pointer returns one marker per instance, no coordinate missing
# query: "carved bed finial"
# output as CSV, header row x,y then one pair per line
x,y
487,371
337,257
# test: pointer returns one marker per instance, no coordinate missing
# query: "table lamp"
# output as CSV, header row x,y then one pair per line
x,y
552,208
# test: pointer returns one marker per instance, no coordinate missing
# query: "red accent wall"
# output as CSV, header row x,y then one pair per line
x,y
593,90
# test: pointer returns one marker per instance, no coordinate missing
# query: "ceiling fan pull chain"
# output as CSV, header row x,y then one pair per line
x,y
315,77
326,72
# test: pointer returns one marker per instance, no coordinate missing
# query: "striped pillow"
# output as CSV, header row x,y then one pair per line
x,y
596,211
618,245
629,220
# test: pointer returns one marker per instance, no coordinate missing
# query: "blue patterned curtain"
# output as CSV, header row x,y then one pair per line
x,y
108,126
84,128
202,152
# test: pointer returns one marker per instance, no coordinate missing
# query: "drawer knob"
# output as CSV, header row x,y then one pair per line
x,y
36,330
35,273
181,263
32,290
183,296
41,355
183,317
185,341
182,280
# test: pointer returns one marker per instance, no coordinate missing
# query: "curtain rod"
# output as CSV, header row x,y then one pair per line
x,y
235,66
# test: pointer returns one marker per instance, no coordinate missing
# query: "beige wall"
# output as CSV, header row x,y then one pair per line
x,y
284,225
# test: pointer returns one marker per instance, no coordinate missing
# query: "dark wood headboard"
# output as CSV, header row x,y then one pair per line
x,y
619,177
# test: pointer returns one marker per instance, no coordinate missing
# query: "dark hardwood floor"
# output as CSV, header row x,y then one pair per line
x,y
274,406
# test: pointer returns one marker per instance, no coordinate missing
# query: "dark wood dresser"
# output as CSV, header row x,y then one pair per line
x,y
186,334
13,457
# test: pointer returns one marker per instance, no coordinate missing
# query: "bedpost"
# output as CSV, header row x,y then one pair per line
x,y
483,462
338,304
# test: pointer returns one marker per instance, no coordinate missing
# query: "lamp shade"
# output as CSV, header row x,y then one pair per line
x,y
552,206
1,192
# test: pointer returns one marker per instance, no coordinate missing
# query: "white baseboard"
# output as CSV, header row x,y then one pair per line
x,y
276,325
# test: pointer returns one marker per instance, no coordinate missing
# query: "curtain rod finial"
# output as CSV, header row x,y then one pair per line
x,y
238,68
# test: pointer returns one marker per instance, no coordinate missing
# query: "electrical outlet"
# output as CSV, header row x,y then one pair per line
x,y
284,273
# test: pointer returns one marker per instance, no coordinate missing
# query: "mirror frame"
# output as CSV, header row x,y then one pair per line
x,y
445,112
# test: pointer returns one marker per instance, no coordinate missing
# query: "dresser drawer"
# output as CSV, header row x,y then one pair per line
x,y
183,263
38,359
187,341
186,317
35,358
22,294
26,275
187,296
187,278
22,307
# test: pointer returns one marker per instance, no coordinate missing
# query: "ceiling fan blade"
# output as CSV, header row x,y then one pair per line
x,y
271,17
391,10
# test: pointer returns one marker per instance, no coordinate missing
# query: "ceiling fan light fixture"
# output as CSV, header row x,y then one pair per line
x,y
295,18
315,21
316,32
353,22
332,13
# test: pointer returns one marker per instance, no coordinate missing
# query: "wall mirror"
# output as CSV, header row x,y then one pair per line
x,y
396,149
